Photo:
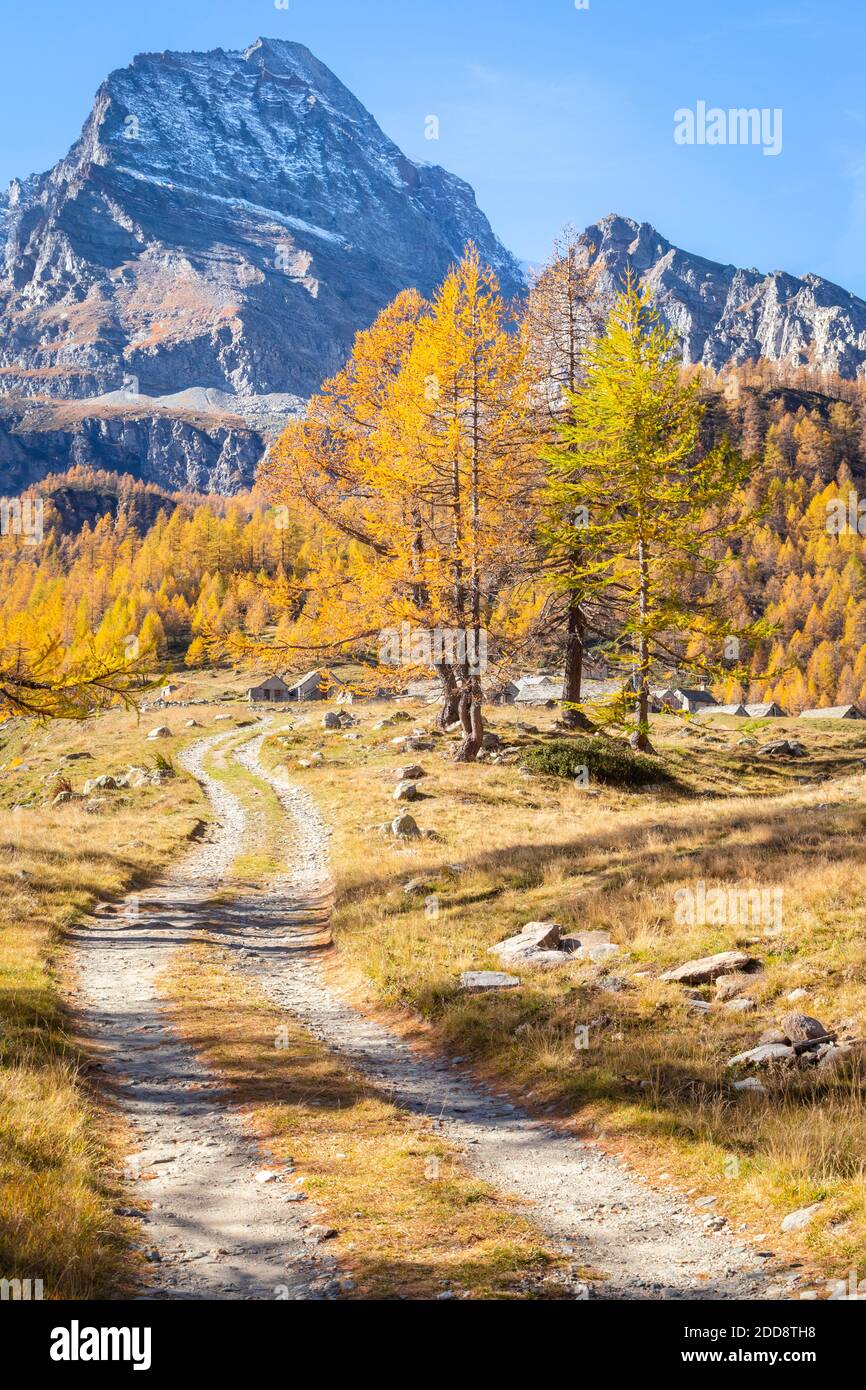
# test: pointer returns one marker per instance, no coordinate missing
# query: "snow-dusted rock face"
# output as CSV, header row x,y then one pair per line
x,y
725,315
226,221
205,254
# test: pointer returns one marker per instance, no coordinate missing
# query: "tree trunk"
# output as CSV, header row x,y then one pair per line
x,y
572,678
450,711
473,722
642,741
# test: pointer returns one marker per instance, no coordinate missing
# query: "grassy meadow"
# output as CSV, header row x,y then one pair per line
x,y
59,1144
512,846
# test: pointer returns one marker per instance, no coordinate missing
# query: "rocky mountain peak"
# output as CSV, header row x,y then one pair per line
x,y
728,315
227,221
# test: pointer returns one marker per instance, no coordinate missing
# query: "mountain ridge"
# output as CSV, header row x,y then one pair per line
x,y
727,315
227,221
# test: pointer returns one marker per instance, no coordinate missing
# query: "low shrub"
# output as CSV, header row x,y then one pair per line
x,y
608,762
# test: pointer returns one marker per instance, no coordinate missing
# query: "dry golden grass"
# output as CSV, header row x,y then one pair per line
x,y
410,1220
58,1185
653,1079
525,847
263,856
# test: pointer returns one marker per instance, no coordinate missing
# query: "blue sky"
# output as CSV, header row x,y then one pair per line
x,y
555,114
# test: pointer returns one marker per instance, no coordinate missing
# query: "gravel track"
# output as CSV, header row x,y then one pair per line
x,y
221,1234
647,1243
212,1230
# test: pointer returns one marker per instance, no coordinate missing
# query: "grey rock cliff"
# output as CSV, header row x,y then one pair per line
x,y
226,220
221,230
727,315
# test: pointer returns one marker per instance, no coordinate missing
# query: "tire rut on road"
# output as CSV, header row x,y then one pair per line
x,y
648,1244
221,1234
212,1230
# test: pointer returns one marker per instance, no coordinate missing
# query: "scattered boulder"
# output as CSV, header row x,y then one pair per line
x,y
773,1035
406,791
163,731
586,939
801,1033
533,938
795,995
741,1005
538,943
405,827
799,1220
62,797
729,986
767,1055
830,1057
800,1028
751,1083
412,772
192,724
314,760
331,720
782,748
416,887
105,783
708,968
477,981
598,952
491,741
